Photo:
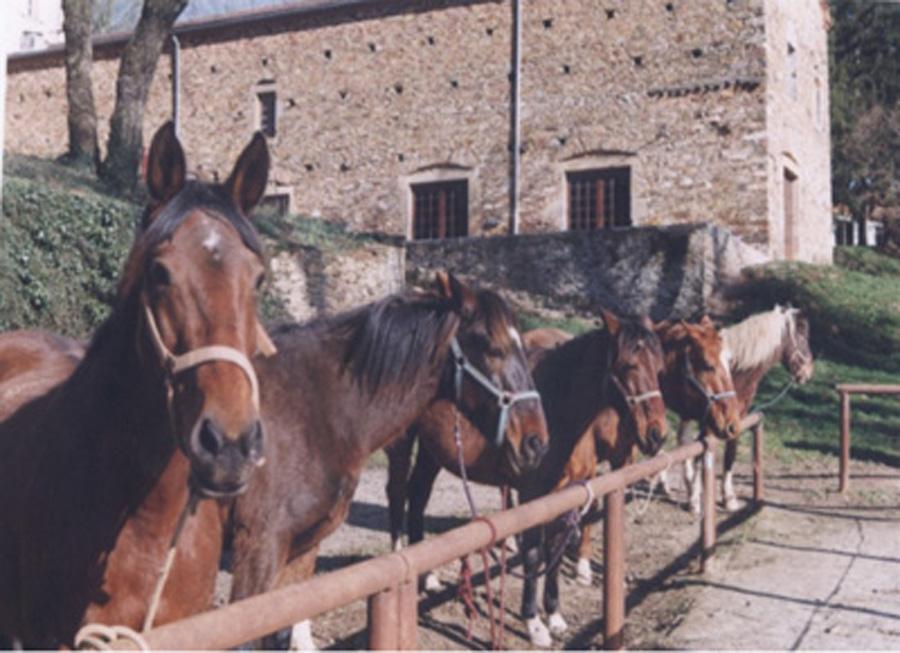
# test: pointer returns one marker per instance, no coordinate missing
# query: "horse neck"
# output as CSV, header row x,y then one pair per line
x,y
568,378
362,420
121,396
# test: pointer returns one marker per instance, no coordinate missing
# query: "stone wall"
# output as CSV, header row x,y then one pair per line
x,y
665,272
376,96
798,126
310,281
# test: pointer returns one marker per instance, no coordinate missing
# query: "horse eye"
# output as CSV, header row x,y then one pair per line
x,y
159,274
493,352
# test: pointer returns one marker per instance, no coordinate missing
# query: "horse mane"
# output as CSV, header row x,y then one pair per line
x,y
498,319
632,334
754,341
384,343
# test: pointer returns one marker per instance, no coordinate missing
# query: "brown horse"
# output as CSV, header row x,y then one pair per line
x,y
341,388
753,347
96,459
696,382
606,369
32,362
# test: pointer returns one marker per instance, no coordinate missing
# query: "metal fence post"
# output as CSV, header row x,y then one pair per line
x,y
708,523
845,442
614,570
758,439
393,619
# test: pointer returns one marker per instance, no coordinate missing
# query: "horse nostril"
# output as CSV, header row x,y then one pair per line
x,y
252,442
211,438
655,436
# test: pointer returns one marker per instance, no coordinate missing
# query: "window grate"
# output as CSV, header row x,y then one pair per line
x,y
267,112
599,199
440,209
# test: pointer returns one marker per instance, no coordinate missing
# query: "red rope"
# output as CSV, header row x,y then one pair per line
x,y
467,593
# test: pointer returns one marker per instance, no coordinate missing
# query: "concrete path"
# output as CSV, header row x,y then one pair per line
x,y
814,571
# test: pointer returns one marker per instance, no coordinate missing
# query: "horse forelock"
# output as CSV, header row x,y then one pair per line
x,y
499,321
757,339
195,195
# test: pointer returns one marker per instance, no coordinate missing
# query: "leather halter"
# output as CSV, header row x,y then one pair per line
x,y
711,397
505,399
175,365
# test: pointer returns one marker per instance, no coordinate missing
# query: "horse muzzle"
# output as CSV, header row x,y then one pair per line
x,y
222,465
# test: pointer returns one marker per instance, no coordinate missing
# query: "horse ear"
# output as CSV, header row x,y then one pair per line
x,y
166,167
613,325
461,297
647,323
247,182
706,322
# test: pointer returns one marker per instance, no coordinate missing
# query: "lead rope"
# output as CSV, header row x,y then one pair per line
x,y
768,404
100,637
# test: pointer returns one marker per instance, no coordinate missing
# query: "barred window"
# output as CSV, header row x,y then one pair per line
x,y
441,209
599,199
267,112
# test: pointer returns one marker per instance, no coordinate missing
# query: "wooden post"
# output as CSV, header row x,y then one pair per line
x,y
393,619
708,523
758,438
614,570
845,442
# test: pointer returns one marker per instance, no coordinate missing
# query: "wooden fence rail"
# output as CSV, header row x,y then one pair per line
x,y
846,390
389,581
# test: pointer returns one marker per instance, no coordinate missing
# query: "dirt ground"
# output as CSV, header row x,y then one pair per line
x,y
789,558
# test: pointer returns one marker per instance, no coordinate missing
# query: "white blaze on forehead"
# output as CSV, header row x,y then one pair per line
x,y
725,359
211,242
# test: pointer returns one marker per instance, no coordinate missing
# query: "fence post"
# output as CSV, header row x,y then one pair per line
x,y
393,618
845,442
708,523
614,570
758,439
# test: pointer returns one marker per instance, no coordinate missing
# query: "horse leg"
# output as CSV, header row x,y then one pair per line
x,y
258,557
421,482
298,638
531,548
691,482
729,497
583,573
555,620
399,455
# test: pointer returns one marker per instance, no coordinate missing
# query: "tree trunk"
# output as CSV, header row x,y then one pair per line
x,y
82,117
136,70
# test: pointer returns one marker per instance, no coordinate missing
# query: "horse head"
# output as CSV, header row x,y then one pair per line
x,y
635,365
492,382
193,277
703,389
796,355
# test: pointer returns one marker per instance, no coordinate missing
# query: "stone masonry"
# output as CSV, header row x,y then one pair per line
x,y
707,101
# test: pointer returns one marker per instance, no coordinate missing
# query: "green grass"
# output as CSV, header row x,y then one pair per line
x,y
574,325
807,420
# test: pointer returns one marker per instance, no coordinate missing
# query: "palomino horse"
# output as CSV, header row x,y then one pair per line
x,y
754,346
341,388
616,368
96,461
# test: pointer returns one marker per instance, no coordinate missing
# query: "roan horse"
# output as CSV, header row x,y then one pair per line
x,y
611,368
341,388
96,458
753,347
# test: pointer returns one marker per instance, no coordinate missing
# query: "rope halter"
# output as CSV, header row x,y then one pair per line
x,y
505,399
630,399
175,365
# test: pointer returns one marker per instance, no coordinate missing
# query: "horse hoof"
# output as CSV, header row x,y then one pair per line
x,y
583,574
511,545
433,583
732,504
538,633
694,507
558,625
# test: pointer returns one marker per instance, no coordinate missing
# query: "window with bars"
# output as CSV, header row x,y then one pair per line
x,y
599,199
267,112
440,209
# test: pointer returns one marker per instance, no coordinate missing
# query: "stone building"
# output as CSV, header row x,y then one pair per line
x,y
399,116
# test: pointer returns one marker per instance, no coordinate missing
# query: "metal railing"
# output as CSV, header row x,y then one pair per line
x,y
389,581
845,390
